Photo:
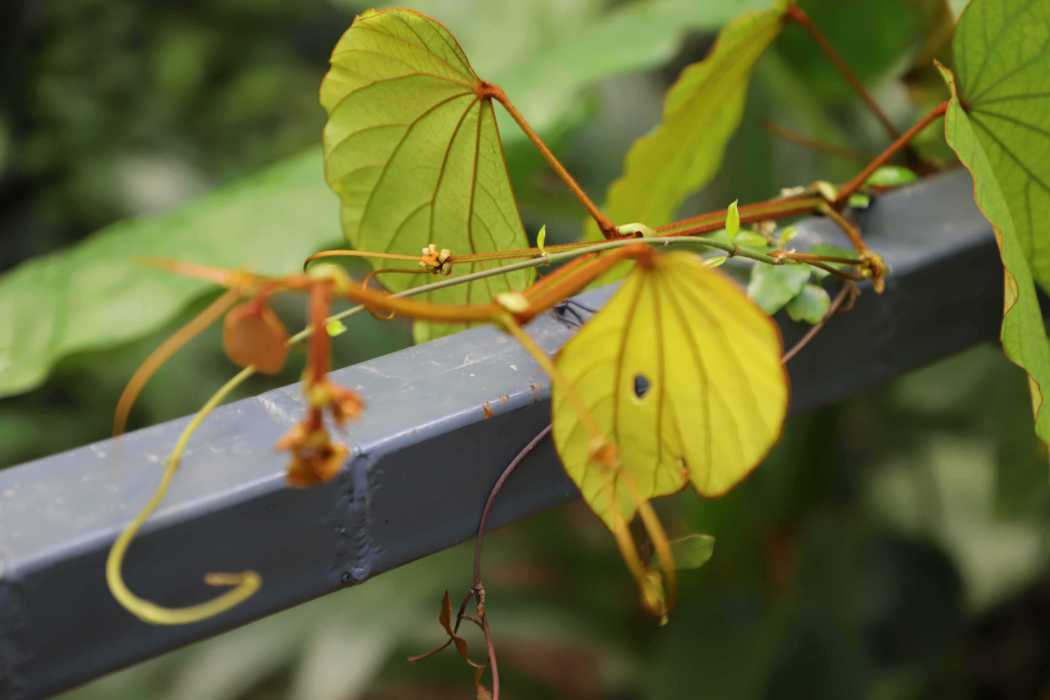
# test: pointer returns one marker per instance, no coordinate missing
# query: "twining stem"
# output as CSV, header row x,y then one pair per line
x,y
580,250
509,254
245,583
799,17
548,296
348,253
496,92
860,178
749,213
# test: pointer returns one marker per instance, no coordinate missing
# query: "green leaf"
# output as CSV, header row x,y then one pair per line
x,y
1001,55
786,235
558,48
810,305
998,123
413,151
753,241
732,220
690,552
891,176
272,221
773,286
701,111
859,200
831,251
545,84
97,294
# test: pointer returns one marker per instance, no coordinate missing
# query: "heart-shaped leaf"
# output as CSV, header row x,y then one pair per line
x,y
1002,59
998,122
682,373
413,151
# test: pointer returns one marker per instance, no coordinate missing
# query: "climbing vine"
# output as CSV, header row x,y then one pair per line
x,y
679,379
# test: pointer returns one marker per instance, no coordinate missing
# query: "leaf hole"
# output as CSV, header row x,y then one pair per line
x,y
641,385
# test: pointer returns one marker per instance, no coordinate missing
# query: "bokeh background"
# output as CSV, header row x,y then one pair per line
x,y
893,546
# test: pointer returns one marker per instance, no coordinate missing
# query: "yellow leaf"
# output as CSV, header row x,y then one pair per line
x,y
412,149
682,373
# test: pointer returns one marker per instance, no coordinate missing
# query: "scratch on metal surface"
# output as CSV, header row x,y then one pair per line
x,y
275,410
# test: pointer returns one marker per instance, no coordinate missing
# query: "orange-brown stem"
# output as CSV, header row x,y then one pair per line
x,y
707,222
164,352
851,231
347,253
797,15
579,277
566,269
496,92
467,313
218,275
510,254
320,343
860,178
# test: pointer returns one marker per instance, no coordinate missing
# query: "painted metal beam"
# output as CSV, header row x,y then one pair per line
x,y
443,419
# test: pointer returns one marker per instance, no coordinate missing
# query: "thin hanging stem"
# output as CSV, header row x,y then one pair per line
x,y
495,91
494,492
245,583
797,15
860,178
847,290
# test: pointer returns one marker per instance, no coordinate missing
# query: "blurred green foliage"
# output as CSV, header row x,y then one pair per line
x,y
892,547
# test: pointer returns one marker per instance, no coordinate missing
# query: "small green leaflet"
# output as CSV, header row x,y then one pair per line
x,y
753,241
701,111
891,176
998,122
859,200
810,305
773,286
690,552
733,220
334,327
413,151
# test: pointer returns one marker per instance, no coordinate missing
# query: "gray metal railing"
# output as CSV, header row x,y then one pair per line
x,y
443,419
